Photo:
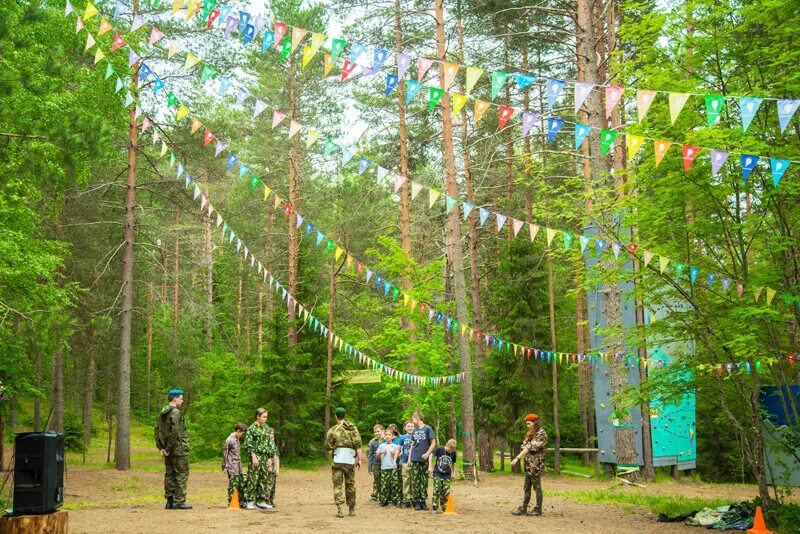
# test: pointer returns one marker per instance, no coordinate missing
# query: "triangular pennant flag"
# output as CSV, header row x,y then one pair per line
x,y
467,209
661,147
207,73
399,180
786,110
778,167
356,51
196,124
158,85
232,160
676,103
501,220
379,56
584,241
105,26
551,233
517,224
347,155
298,34
90,11
128,99
99,56
581,131
363,164
412,88
613,94
208,136
174,48
505,113
748,107
449,203
689,154
423,64
498,80
714,105
118,9
633,144
330,147
434,95
679,267
644,98
450,71
277,117
648,257
68,9
191,61
403,62
137,23
182,112
279,30
725,285
718,159
416,187
616,248
109,71
770,295
259,108
155,36
599,246
710,279
607,140
267,41
484,215
693,273
313,137
458,103
433,195
337,46
219,148
473,74
383,172
79,25
582,91
748,164
662,264
347,69
294,127
90,42
553,88
391,83
528,121
568,237
553,126
480,108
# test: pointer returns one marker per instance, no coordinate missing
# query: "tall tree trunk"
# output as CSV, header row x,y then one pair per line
x,y
239,297
509,144
88,397
248,335
122,448
57,399
176,264
331,320
268,294
149,334
454,253
260,325
37,402
294,201
208,273
554,344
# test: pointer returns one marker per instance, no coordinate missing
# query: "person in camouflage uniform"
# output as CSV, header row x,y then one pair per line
x,y
261,450
534,447
173,444
274,471
442,465
232,463
344,442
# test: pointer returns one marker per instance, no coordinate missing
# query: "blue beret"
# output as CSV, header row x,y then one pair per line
x,y
175,392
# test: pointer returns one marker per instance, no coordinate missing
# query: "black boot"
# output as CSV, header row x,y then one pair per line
x,y
536,512
423,505
416,504
183,506
169,505
522,510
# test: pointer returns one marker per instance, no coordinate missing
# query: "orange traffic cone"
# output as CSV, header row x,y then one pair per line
x,y
450,507
759,527
234,504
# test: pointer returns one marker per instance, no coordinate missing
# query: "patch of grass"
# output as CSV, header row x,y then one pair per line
x,y
658,504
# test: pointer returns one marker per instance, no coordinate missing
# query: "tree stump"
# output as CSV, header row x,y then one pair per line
x,y
53,523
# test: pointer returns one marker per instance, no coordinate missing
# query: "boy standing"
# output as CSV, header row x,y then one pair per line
x,y
404,442
372,462
443,468
272,481
388,453
232,463
423,443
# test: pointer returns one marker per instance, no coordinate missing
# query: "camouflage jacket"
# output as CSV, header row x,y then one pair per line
x,y
170,432
344,434
534,450
231,459
257,440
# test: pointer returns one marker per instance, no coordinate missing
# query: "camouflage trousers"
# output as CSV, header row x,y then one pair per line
x,y
176,477
534,481
376,482
272,482
419,481
441,490
390,490
240,483
259,481
344,484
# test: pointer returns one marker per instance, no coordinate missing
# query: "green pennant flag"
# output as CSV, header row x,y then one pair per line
x,y
395,294
330,245
172,159
207,74
434,97
330,146
568,236
286,48
498,80
607,140
171,99
208,7
714,105
109,71
454,327
337,45
450,203
679,267
254,182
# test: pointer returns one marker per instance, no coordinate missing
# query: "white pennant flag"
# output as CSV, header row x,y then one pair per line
x,y
582,91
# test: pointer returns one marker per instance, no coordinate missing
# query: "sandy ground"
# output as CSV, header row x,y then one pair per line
x,y
103,501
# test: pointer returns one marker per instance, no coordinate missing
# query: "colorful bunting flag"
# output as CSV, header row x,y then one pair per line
x,y
504,112
554,125
105,27
581,131
480,108
661,147
458,103
403,62
528,120
748,107
582,90
423,64
714,105
786,110
434,96
748,164
633,144
473,74
277,117
676,103
613,95
450,71
498,80
412,88
644,98
298,34
718,159
90,11
607,140
778,167
553,88
689,155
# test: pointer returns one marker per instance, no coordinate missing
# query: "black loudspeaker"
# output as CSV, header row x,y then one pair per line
x,y
38,472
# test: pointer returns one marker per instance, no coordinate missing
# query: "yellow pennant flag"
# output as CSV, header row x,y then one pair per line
x,y
196,124
176,5
473,73
338,254
480,108
163,148
328,65
661,147
450,71
550,235
297,35
99,56
104,27
758,293
191,61
313,137
267,191
770,295
277,202
458,103
308,54
644,98
90,11
634,143
317,40
89,41
534,228
182,112
433,195
662,263
192,8
406,298
676,103
174,48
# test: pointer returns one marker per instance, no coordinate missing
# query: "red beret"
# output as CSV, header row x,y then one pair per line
x,y
531,417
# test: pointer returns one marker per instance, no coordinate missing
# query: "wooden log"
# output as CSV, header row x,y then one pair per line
x,y
53,523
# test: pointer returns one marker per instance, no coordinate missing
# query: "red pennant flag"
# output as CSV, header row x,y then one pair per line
x,y
689,154
207,137
347,69
632,249
211,18
280,31
505,113
359,267
792,358
119,42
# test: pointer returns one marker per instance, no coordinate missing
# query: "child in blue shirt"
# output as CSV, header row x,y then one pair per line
x,y
442,465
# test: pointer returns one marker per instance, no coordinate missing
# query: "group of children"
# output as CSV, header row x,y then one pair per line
x,y
401,464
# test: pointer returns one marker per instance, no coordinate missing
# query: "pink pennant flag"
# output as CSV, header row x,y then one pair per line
x,y
347,69
450,70
146,123
294,127
119,42
277,117
280,31
416,187
644,98
517,226
613,94
423,64
207,137
399,180
79,25
155,36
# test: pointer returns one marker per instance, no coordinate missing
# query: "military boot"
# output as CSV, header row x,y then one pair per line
x,y
352,512
169,504
339,512
520,511
536,512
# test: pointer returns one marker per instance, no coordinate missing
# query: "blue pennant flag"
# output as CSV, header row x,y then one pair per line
x,y
439,317
309,228
391,83
243,170
778,167
267,41
356,51
224,11
693,272
363,164
378,282
524,80
786,110
320,237
581,131
158,85
748,164
554,89
144,72
467,209
249,33
484,214
119,86
748,107
347,155
599,245
224,85
711,278
378,58
584,239
412,88
553,126
244,20
232,159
